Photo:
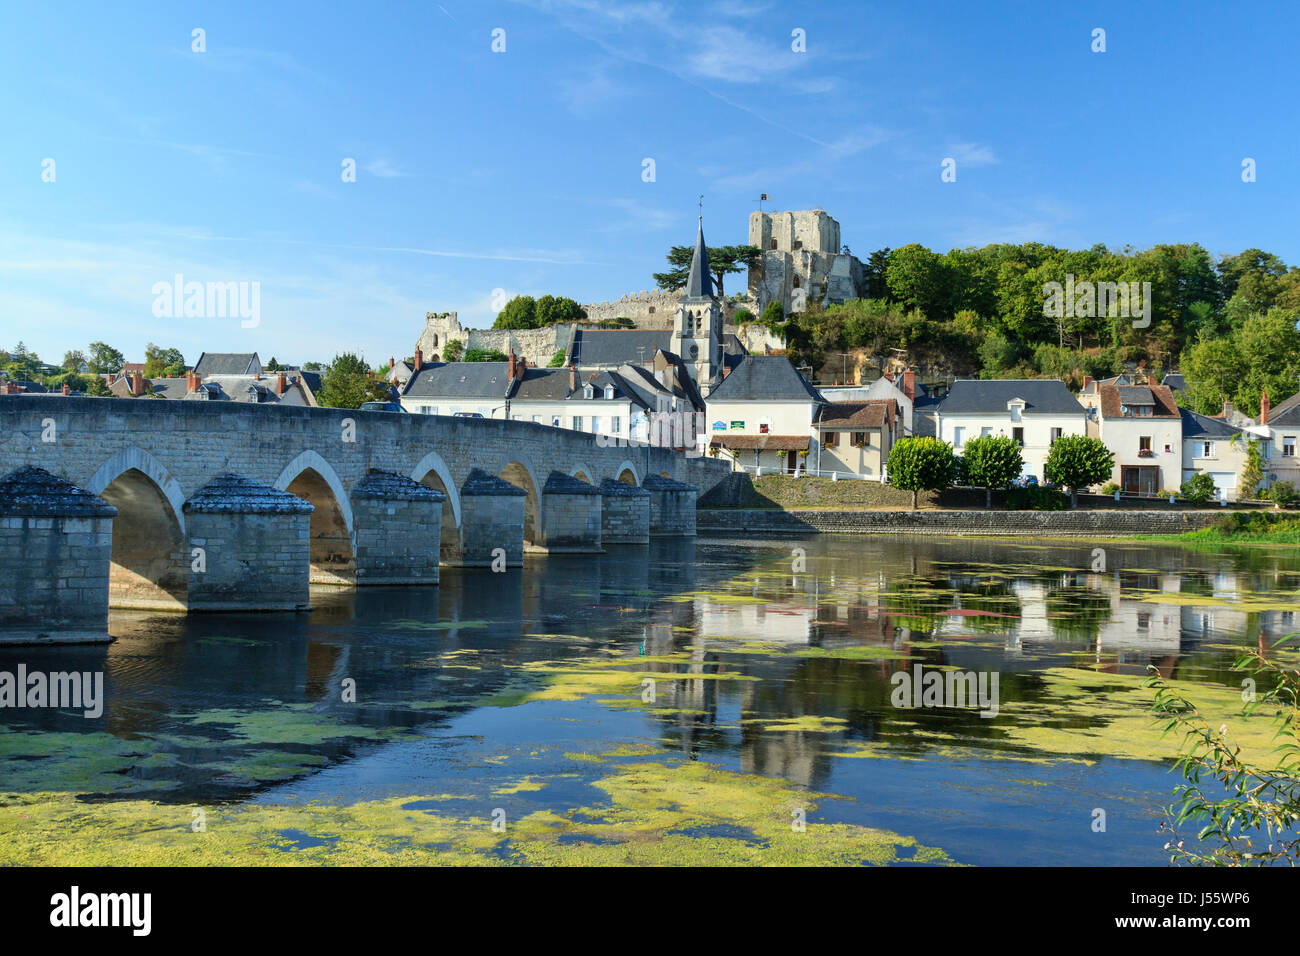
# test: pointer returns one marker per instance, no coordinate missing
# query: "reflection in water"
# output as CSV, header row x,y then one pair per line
x,y
757,667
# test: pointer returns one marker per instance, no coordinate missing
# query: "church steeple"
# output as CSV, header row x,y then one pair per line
x,y
700,283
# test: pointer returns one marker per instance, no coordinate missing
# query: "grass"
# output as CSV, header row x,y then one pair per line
x,y
1256,527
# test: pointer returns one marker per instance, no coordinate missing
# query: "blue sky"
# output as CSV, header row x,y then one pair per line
x,y
522,170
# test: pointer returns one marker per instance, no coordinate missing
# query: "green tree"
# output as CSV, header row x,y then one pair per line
x,y
454,351
553,310
921,464
723,261
485,355
1253,472
98,388
557,360
74,360
992,462
519,313
1077,461
272,365
773,317
163,363
23,364
349,382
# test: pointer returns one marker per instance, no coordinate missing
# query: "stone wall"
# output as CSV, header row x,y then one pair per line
x,y
653,309
1028,523
251,562
54,579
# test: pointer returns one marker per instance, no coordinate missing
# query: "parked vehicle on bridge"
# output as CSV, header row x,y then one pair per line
x,y
381,407
468,414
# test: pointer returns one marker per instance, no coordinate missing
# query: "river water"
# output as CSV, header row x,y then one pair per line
x,y
710,698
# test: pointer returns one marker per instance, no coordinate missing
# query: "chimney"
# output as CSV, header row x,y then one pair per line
x,y
522,367
12,389
573,378
1087,380
419,360
726,370
280,383
1226,415
909,383
137,384
1264,406
392,360
510,368
67,389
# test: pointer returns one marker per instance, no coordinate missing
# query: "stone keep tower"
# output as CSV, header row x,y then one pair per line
x,y
439,329
697,325
802,260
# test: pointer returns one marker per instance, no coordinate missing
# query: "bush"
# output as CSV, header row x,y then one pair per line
x,y
1284,494
1199,489
1109,488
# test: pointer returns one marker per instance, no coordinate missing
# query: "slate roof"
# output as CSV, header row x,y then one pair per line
x,y
762,442
618,346
1196,425
856,415
764,378
558,483
1133,395
480,483
234,494
974,396
1176,382
389,486
1286,413
34,492
699,285
226,363
1161,397
465,380
613,488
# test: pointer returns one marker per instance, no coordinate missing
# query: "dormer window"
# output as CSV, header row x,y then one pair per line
x,y
609,393
588,391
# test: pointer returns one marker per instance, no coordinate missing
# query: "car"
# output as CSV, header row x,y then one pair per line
x,y
468,414
1025,481
381,407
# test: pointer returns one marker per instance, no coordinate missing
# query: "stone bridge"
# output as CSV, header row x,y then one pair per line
x,y
227,506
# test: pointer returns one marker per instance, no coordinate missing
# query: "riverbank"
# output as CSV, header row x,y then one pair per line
x,y
1259,528
1082,523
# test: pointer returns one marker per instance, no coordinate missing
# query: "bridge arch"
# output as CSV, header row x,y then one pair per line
x,y
333,536
627,474
150,551
584,472
432,471
521,474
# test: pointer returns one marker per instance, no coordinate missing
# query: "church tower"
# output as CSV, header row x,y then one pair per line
x,y
697,325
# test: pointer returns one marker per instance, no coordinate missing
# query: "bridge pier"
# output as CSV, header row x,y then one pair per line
x,y
624,513
491,518
570,515
398,526
672,506
56,544
249,547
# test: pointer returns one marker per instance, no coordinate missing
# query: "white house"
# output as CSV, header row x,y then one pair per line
x,y
1035,412
762,415
1212,446
1143,427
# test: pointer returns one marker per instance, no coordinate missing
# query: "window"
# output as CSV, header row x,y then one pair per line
x,y
555,421
537,419
958,437
1056,433
1207,449
595,423
862,439
616,425
1144,446
577,423
985,432
430,409
773,245
1288,446
830,439
764,428
609,392
1018,435
587,391
797,244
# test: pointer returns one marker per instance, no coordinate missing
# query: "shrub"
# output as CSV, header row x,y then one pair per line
x,y
1284,494
1036,498
1109,488
1199,489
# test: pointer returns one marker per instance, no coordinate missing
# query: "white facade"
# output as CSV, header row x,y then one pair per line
x,y
1141,444
1035,432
